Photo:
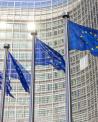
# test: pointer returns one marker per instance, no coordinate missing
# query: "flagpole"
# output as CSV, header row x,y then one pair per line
x,y
32,83
6,47
67,69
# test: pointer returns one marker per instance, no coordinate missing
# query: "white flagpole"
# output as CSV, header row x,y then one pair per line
x,y
67,69
32,83
6,47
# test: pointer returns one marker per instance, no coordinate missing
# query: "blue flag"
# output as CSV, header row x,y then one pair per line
x,y
1,78
82,38
8,86
45,55
17,71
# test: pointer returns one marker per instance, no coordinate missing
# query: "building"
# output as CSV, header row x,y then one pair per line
x,y
50,84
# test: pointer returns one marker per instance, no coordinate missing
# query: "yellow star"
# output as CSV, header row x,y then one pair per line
x,y
92,48
97,47
95,35
85,31
81,36
82,31
91,33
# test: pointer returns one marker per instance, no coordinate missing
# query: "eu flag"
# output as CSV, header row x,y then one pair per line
x,y
17,71
82,38
8,87
45,55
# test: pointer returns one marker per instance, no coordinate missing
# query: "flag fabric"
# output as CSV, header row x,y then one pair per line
x,y
17,71
82,38
1,78
8,87
45,55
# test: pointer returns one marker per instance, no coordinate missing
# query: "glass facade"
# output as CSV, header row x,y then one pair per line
x,y
50,103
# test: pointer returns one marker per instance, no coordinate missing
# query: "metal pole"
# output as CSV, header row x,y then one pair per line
x,y
32,83
6,47
67,69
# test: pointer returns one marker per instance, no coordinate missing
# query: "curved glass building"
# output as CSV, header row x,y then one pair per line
x,y
50,102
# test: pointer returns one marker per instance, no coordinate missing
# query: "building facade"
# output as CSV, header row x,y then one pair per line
x,y
50,102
